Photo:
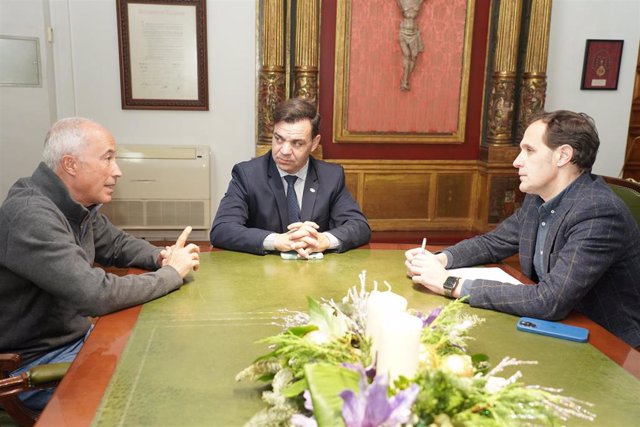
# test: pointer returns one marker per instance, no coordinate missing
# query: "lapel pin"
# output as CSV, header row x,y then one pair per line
x,y
313,190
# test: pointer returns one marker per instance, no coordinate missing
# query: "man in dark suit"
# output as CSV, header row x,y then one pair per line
x,y
286,200
576,239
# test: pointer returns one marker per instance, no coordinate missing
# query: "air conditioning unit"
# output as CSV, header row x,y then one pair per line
x,y
162,190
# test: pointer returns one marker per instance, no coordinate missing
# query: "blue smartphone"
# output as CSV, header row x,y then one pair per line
x,y
553,329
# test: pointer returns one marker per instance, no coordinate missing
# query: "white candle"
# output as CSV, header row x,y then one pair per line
x,y
379,305
398,346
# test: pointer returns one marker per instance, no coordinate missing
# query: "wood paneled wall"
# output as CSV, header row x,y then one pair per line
x,y
414,195
432,195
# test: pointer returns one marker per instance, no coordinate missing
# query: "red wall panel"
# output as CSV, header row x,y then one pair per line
x,y
385,31
375,101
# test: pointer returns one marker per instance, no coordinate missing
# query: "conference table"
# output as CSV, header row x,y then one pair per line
x,y
173,361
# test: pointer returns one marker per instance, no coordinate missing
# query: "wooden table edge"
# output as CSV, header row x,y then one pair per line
x,y
107,342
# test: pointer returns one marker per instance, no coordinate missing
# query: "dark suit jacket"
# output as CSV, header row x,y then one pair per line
x,y
255,206
592,260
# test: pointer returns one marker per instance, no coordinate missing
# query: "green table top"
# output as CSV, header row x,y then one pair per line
x,y
179,365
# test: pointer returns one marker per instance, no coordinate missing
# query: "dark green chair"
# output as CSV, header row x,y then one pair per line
x,y
38,377
628,191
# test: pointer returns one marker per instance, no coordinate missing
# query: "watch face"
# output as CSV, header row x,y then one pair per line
x,y
450,283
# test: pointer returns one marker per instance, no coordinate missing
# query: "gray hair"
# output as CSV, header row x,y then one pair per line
x,y
66,136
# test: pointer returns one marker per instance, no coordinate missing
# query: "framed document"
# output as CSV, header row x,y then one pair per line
x,y
601,66
163,54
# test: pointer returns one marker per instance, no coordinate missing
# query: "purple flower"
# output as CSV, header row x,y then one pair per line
x,y
432,316
369,372
299,420
372,407
308,403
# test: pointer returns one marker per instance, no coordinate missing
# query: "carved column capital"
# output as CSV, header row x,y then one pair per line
x,y
502,99
501,107
532,97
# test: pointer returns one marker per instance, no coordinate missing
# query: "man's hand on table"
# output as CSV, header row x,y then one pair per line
x,y
184,259
428,270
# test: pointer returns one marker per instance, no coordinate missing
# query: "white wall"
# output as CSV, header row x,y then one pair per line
x,y
25,112
572,23
87,76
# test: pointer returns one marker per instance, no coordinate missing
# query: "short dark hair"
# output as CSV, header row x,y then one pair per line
x,y
295,109
577,130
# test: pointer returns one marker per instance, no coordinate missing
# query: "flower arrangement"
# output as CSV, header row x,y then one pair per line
x,y
322,371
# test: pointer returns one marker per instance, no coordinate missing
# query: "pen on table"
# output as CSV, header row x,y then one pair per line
x,y
424,245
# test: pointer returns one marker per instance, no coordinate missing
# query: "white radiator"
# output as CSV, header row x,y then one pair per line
x,y
162,188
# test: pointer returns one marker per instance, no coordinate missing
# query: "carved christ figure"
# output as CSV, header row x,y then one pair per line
x,y
410,41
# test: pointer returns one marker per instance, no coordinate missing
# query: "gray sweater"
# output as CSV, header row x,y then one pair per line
x,y
48,281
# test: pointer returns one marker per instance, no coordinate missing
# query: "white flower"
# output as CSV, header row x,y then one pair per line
x,y
458,364
495,384
318,337
425,358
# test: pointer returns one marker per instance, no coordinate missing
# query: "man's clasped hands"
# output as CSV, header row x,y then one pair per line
x,y
303,238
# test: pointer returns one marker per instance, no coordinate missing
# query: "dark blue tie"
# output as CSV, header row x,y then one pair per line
x,y
292,201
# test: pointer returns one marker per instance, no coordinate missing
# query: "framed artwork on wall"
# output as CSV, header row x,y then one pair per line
x,y
163,54
402,71
601,67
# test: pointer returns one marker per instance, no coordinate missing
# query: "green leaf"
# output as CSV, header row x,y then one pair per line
x,y
324,318
267,356
294,389
480,362
326,382
266,377
303,330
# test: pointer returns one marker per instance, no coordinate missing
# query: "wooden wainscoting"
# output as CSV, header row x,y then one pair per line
x,y
432,195
402,195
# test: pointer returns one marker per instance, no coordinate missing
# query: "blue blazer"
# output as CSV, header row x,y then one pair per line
x,y
255,206
592,259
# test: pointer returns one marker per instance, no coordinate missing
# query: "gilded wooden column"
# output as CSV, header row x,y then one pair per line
x,y
307,40
534,79
503,80
272,77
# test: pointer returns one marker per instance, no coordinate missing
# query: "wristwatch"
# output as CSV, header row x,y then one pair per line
x,y
450,285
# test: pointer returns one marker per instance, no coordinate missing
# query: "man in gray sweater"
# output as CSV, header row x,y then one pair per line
x,y
52,233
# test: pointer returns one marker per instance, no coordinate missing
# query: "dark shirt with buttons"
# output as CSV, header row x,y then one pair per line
x,y
547,211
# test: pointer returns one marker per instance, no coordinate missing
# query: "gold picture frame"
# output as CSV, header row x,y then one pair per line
x,y
341,132
163,54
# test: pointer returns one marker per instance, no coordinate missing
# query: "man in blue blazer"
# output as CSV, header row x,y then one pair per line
x,y
575,238
286,200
